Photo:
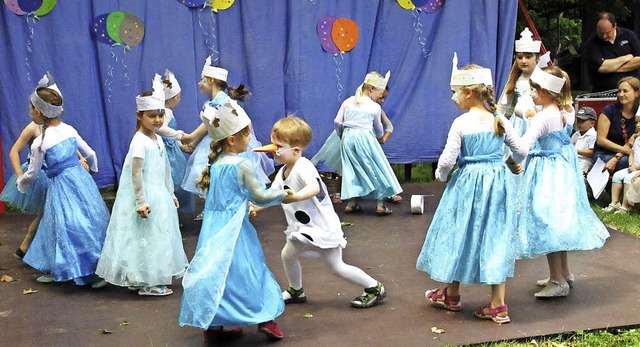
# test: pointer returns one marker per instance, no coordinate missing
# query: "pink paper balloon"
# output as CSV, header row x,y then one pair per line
x,y
432,6
323,28
13,6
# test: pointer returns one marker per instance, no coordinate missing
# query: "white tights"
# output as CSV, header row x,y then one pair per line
x,y
333,258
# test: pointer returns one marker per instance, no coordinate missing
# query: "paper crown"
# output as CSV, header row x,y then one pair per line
x,y
376,81
546,80
214,71
155,101
469,77
48,110
175,86
223,121
527,44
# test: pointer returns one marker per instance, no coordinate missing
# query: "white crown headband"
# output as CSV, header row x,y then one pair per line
x,y
527,44
175,86
224,121
547,81
376,81
469,77
48,110
155,101
214,71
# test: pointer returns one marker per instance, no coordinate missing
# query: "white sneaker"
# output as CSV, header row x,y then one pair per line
x,y
612,207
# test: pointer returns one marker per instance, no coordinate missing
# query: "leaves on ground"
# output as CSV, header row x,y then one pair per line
x,y
346,224
124,322
437,330
28,291
105,331
307,315
6,278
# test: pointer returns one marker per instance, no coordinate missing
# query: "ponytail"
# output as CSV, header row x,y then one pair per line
x,y
204,179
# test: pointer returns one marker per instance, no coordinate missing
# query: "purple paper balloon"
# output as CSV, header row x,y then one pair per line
x,y
432,6
13,6
193,3
420,3
324,34
99,28
29,5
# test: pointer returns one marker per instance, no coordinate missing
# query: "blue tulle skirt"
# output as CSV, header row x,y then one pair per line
x,y
178,163
329,153
32,201
366,172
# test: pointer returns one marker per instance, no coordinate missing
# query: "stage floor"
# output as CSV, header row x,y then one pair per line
x,y
605,294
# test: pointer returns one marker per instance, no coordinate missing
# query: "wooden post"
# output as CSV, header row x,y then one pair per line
x,y
1,176
407,172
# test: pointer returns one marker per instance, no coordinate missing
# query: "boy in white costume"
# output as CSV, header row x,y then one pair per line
x,y
313,227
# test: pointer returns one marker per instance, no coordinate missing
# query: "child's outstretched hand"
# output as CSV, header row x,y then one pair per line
x,y
176,202
253,210
144,211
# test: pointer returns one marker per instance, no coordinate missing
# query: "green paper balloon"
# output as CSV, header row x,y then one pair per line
x,y
114,20
47,6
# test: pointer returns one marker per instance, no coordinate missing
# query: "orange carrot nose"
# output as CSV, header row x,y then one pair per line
x,y
270,148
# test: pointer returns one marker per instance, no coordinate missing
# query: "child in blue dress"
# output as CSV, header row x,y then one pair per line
x,y
555,215
31,201
143,249
366,172
71,233
471,237
228,281
213,83
174,148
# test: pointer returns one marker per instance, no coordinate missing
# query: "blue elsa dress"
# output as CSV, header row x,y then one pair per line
x,y
471,238
200,157
555,214
70,236
228,281
178,163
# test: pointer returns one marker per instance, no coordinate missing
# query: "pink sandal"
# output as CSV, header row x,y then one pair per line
x,y
490,312
450,302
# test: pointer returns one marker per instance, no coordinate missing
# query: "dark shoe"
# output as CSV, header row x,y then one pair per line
x,y
221,334
383,211
271,329
370,297
353,209
294,296
19,253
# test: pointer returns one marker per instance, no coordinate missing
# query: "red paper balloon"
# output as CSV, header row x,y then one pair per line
x,y
344,34
324,27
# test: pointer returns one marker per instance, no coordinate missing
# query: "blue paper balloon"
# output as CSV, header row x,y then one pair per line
x,y
420,3
193,3
99,28
29,5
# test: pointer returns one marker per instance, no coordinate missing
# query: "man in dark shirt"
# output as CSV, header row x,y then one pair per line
x,y
612,53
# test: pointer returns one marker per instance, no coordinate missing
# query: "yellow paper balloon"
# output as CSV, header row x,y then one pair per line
x,y
406,4
217,5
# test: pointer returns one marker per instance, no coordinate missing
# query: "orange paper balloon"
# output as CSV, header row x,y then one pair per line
x,y
344,34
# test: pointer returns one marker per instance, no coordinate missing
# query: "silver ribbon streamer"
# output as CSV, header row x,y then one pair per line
x,y
210,38
30,28
417,26
339,62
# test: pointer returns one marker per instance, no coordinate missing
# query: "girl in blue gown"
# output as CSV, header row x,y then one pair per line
x,y
228,281
471,237
555,215
71,233
143,249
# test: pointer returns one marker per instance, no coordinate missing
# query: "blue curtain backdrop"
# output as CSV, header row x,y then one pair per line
x,y
270,46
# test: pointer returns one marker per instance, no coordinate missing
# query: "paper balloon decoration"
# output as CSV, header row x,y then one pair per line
x,y
29,5
113,25
419,3
217,5
131,30
118,27
432,6
324,27
23,7
406,4
344,34
193,3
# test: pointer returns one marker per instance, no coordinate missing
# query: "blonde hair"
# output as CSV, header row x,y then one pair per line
x,y
292,130
485,93
52,97
217,147
558,98
360,90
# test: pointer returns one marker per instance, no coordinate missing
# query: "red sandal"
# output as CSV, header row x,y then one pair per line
x,y
490,312
450,302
